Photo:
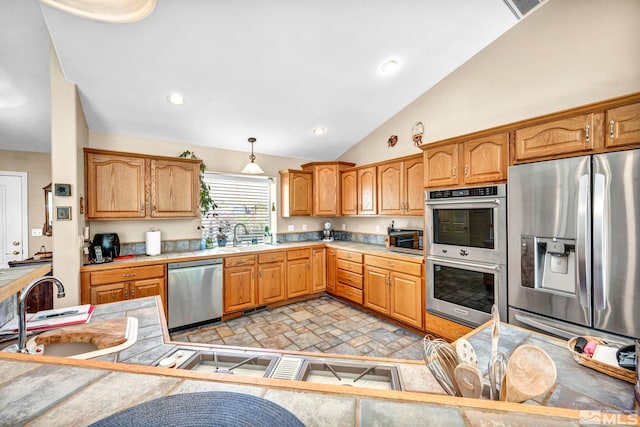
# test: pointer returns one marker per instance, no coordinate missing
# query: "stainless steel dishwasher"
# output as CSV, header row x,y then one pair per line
x,y
195,293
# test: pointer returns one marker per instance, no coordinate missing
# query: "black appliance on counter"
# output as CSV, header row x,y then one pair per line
x,y
105,247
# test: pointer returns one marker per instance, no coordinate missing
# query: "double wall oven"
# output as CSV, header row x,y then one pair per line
x,y
466,252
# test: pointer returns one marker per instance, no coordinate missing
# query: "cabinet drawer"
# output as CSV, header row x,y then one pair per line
x,y
238,261
126,274
445,328
349,266
349,256
349,293
349,278
298,254
270,257
395,265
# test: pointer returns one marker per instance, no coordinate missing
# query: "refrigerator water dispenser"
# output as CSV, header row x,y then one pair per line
x,y
548,263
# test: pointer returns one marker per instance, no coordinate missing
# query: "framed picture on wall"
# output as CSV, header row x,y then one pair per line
x,y
63,213
62,189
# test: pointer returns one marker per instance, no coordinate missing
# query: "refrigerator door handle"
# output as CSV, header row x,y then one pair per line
x,y
583,242
599,239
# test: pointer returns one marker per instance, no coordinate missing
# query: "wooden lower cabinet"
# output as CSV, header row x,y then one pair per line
x,y
112,285
271,278
390,290
299,277
331,270
445,328
376,285
318,269
239,283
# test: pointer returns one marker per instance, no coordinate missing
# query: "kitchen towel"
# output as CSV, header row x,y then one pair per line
x,y
152,242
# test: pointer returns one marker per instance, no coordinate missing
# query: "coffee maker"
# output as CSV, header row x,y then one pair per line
x,y
327,232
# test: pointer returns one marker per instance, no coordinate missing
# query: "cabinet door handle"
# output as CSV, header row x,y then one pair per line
x,y
142,207
128,274
390,264
454,171
466,171
153,208
126,294
133,293
611,130
587,139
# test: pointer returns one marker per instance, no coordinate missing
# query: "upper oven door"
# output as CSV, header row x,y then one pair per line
x,y
467,229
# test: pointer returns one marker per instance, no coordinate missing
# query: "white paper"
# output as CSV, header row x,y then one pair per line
x,y
606,355
42,318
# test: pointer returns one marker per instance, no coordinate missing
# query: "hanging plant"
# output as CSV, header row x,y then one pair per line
x,y
207,204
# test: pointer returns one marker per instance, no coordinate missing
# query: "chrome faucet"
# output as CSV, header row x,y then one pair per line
x,y
235,233
21,347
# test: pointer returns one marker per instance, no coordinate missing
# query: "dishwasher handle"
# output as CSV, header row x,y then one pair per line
x,y
199,263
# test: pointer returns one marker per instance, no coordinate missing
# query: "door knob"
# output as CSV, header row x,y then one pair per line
x,y
16,243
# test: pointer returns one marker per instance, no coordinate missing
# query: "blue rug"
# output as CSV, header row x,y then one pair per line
x,y
215,408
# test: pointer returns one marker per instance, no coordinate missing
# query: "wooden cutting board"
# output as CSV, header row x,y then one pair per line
x,y
103,334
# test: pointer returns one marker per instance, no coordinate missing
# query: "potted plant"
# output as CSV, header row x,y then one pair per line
x,y
206,202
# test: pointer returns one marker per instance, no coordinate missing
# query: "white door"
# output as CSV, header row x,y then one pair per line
x,y
13,217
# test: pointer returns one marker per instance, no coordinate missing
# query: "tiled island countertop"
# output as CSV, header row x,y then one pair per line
x,y
576,387
41,390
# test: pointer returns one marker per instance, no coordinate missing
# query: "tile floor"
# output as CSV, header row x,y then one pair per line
x,y
322,325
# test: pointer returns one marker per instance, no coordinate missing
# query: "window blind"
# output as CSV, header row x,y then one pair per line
x,y
239,199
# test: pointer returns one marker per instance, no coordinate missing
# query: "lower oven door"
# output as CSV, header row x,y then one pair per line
x,y
464,291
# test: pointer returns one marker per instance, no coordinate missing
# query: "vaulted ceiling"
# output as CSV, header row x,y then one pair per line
x,y
274,70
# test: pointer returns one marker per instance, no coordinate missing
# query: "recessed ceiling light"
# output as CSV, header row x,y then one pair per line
x,y
176,99
319,130
390,66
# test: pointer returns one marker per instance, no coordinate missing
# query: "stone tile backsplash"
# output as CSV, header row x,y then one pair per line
x,y
190,245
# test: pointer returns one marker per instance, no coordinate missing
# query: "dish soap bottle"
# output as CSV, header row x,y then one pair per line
x,y
222,238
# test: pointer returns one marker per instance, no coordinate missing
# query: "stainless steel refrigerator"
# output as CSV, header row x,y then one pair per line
x,y
574,237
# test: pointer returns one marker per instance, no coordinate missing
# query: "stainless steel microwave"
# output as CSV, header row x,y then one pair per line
x,y
406,240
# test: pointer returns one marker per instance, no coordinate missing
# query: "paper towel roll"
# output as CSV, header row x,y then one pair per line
x,y
152,242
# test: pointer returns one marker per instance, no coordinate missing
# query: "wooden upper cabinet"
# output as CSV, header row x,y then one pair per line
x,y
485,159
441,166
390,188
296,192
622,125
367,191
349,183
477,161
115,186
129,186
414,187
175,188
400,187
570,135
326,186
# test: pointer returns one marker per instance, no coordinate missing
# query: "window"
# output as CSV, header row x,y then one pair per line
x,y
240,199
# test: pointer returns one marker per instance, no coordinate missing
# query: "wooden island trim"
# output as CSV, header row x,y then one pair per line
x,y
18,284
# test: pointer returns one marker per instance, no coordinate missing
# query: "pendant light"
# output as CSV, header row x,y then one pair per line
x,y
252,167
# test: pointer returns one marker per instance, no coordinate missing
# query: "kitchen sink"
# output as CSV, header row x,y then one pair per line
x,y
74,347
285,367
251,364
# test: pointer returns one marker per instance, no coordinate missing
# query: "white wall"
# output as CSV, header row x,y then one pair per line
x,y
69,133
565,54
